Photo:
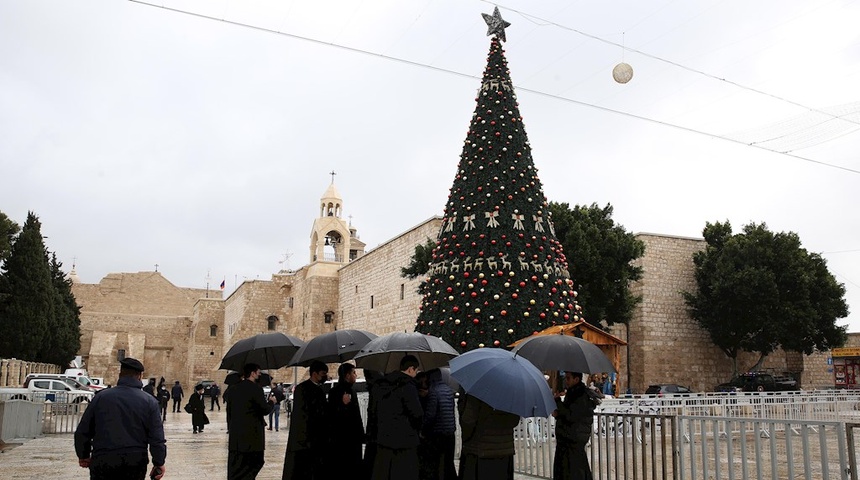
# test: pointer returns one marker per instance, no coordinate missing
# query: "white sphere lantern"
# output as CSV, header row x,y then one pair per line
x,y
622,73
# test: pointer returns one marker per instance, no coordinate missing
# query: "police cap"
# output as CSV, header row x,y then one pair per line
x,y
131,364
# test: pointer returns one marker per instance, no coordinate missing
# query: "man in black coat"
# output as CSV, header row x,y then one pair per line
x,y
398,417
346,427
177,394
247,436
306,445
573,428
118,426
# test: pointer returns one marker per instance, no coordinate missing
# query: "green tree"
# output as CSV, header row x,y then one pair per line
x,y
8,230
759,291
29,306
420,262
601,252
65,331
497,271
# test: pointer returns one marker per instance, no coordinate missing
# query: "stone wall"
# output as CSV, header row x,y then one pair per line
x,y
663,334
143,314
373,294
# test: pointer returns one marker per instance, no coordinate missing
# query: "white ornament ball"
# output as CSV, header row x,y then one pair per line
x,y
622,73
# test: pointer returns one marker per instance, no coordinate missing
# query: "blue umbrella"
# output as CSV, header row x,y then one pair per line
x,y
504,381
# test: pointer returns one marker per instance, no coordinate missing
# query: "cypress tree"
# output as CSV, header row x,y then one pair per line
x,y
30,302
66,336
498,272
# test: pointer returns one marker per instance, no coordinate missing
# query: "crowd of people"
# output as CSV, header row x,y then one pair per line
x,y
410,433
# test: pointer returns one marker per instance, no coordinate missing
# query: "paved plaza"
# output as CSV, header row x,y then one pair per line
x,y
188,455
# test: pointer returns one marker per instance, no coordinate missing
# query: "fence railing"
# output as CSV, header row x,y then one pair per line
x,y
771,436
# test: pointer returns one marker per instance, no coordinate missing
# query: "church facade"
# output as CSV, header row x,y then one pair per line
x,y
182,333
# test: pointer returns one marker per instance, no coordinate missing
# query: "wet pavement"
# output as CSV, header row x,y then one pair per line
x,y
189,455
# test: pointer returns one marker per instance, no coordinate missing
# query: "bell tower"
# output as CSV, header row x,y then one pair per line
x,y
332,239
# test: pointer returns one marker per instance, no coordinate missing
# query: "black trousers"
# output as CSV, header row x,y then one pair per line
x,y
130,466
395,464
244,465
571,461
436,458
214,402
176,407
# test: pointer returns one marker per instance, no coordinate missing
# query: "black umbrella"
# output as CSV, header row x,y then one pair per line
x,y
268,350
564,352
384,353
333,347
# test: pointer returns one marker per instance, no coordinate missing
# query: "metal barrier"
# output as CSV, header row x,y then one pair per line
x,y
680,447
62,417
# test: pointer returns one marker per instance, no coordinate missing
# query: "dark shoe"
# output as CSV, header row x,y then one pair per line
x,y
276,429
270,429
195,431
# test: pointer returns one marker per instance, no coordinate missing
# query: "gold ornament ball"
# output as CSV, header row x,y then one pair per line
x,y
622,73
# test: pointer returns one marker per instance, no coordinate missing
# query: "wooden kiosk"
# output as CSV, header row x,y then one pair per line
x,y
609,344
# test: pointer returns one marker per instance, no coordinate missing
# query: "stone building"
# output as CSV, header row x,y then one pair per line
x,y
182,333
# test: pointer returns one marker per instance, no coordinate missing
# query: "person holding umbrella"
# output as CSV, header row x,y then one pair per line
x,y
347,429
573,422
488,441
247,441
398,414
306,445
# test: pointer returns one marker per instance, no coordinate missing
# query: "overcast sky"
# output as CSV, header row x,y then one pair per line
x,y
141,135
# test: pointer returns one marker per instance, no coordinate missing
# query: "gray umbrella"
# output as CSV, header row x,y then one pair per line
x,y
384,353
564,352
333,347
268,350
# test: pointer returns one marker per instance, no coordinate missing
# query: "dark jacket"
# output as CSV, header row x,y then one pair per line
x,y
176,392
574,417
307,423
438,405
150,388
198,410
246,409
121,420
163,396
486,432
397,411
345,423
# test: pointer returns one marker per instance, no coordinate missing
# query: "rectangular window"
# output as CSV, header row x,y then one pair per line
x,y
356,289
328,317
120,354
371,301
402,290
290,301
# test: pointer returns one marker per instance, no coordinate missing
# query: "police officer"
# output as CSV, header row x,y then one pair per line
x,y
118,426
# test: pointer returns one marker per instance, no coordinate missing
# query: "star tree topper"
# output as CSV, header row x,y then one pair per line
x,y
495,24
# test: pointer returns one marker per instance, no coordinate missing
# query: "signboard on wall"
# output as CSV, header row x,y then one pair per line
x,y
846,352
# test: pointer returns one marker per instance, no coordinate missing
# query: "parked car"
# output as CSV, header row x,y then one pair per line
x,y
759,382
47,389
80,382
666,389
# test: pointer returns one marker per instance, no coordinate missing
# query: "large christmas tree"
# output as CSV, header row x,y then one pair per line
x,y
498,273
